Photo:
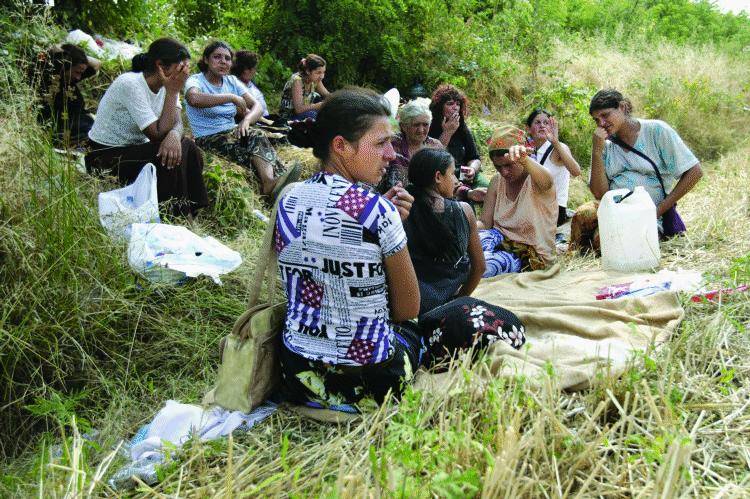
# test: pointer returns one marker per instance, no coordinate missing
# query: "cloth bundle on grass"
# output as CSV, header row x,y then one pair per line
x,y
568,328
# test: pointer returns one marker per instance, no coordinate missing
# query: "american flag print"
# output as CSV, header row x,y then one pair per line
x,y
285,231
311,293
354,201
361,351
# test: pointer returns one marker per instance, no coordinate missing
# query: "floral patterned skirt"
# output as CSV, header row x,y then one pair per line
x,y
459,324
242,150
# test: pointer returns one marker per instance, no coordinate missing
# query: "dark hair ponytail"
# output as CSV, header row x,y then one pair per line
x,y
140,63
609,98
348,112
166,50
427,234
310,63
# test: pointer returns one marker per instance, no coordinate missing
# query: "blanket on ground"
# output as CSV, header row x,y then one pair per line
x,y
567,328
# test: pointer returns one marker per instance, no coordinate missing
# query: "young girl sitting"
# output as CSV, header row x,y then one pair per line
x,y
303,92
442,234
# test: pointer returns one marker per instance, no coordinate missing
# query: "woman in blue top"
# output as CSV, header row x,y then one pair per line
x,y
214,97
626,152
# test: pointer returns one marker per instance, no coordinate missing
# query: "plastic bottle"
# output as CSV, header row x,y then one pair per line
x,y
627,231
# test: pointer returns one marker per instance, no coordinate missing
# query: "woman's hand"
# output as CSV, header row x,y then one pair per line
x,y
401,198
243,129
517,153
553,132
170,150
175,81
467,173
477,195
240,104
451,123
600,135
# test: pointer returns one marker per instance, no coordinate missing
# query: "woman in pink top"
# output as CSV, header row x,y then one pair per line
x,y
521,202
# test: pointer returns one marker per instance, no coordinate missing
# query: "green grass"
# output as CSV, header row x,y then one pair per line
x,y
84,345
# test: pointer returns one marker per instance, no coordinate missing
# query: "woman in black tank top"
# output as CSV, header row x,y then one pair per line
x,y
442,236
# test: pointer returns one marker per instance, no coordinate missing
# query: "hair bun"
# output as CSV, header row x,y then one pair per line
x,y
140,62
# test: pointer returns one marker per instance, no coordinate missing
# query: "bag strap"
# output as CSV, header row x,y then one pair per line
x,y
546,154
265,268
627,147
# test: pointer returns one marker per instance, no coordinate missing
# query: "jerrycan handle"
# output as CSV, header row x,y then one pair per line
x,y
620,199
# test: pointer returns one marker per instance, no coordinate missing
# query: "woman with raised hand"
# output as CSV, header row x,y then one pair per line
x,y
138,122
304,92
59,71
345,266
553,155
414,119
521,202
442,233
627,152
214,97
450,108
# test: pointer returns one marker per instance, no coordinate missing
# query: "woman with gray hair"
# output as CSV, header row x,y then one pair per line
x,y
414,120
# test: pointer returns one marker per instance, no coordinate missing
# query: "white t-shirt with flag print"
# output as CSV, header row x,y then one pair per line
x,y
332,238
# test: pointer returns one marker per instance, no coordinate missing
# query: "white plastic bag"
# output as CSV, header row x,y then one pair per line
x,y
137,202
393,97
115,49
171,253
78,37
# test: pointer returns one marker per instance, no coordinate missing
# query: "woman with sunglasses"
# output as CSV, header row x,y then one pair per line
x,y
521,202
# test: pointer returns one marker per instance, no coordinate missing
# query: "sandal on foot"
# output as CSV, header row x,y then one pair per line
x,y
291,175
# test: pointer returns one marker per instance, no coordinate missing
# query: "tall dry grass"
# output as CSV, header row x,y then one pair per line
x,y
82,345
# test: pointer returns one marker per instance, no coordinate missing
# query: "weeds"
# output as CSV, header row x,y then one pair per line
x,y
82,345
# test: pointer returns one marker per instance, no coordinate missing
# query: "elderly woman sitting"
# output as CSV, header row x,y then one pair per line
x,y
414,119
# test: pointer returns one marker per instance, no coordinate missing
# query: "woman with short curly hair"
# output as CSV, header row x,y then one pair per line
x,y
450,108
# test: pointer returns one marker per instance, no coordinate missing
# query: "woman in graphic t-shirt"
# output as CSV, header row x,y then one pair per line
x,y
344,264
138,122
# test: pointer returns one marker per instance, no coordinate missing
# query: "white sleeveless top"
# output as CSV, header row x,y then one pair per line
x,y
560,175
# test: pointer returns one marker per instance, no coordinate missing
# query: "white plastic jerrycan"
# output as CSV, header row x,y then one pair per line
x,y
627,230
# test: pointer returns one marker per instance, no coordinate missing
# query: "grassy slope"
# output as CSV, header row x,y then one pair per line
x,y
676,421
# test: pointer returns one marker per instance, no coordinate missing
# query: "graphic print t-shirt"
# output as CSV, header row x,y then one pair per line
x,y
332,238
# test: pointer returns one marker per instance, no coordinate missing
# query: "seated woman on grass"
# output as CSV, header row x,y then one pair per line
x,y
244,68
627,152
138,121
345,266
213,98
442,233
450,108
304,91
553,155
59,71
414,119
521,203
